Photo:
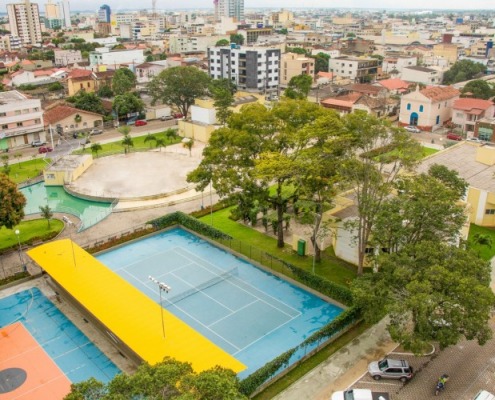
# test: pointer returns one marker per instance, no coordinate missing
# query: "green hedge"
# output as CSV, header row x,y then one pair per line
x,y
179,218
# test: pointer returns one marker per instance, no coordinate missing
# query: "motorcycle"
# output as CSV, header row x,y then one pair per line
x,y
441,384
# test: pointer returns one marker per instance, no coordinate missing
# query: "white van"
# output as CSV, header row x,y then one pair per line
x,y
484,395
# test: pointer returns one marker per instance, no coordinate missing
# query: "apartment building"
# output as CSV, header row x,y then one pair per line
x,y
427,76
358,70
24,21
66,57
251,34
293,64
250,68
448,51
189,43
21,120
397,64
104,56
229,8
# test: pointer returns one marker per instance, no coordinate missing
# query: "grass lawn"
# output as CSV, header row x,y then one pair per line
x,y
20,172
428,151
485,252
330,268
37,228
139,144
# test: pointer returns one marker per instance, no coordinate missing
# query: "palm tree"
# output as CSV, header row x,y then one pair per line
x,y
46,212
482,239
188,145
170,134
125,130
127,143
160,142
150,138
18,156
95,148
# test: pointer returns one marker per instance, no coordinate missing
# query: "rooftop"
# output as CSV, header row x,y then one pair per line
x,y
11,96
440,93
472,106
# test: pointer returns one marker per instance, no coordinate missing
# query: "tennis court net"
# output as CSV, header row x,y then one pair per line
x,y
202,286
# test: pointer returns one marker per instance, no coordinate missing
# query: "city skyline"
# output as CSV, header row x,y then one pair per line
x,y
165,5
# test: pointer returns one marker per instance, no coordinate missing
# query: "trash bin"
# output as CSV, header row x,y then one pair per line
x,y
301,247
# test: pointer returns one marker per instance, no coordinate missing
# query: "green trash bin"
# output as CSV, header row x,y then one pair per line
x,y
301,247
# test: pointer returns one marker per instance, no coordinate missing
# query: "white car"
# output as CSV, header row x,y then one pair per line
x,y
474,139
359,394
412,129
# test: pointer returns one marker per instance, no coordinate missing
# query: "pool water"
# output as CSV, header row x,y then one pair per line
x,y
89,212
250,313
67,346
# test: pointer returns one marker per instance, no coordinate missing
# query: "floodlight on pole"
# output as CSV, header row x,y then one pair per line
x,y
17,233
161,287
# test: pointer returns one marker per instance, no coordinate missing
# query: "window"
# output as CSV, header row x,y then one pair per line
x,y
25,111
19,124
81,86
438,119
17,112
490,211
420,108
50,176
439,106
408,106
5,126
37,121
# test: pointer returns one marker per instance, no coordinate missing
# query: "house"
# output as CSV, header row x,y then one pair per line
x,y
485,129
429,108
474,163
36,77
63,119
424,75
395,85
467,111
342,104
397,64
147,71
21,120
80,79
367,89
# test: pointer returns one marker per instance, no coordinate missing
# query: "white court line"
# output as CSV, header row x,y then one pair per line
x,y
141,259
233,312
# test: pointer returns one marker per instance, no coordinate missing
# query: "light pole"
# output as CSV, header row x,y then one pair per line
x,y
17,232
161,287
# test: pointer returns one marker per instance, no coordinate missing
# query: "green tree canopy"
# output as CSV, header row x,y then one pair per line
x,y
87,101
321,62
169,379
237,38
462,71
299,87
222,42
478,89
127,103
222,91
12,203
179,86
432,292
123,81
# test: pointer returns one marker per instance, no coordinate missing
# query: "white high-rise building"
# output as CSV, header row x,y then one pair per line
x,y
64,7
230,8
24,21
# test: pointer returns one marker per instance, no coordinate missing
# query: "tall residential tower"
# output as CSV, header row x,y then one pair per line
x,y
24,21
229,8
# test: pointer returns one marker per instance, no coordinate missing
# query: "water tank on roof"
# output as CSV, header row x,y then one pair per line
x,y
259,25
232,45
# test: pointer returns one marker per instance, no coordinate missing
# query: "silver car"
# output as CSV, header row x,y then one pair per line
x,y
392,369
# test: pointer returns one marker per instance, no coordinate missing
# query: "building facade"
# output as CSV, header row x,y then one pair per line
x,y
293,64
468,111
103,56
230,8
251,69
66,57
24,21
358,70
21,120
104,14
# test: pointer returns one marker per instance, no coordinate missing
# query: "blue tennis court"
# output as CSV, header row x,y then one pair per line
x,y
67,346
248,312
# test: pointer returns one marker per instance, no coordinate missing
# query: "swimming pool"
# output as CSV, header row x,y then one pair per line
x,y
89,212
250,313
65,344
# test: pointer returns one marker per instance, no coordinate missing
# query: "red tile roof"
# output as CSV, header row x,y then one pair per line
x,y
440,93
79,73
472,106
58,113
394,84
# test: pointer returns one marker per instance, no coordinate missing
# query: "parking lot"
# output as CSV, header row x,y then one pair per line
x,y
470,367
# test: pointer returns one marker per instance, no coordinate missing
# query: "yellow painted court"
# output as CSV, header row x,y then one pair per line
x,y
125,311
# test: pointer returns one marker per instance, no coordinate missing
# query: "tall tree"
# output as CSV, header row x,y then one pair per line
x,y
169,379
321,62
432,292
123,81
95,148
179,86
427,208
237,38
299,87
87,101
462,71
127,103
222,91
478,89
372,174
12,203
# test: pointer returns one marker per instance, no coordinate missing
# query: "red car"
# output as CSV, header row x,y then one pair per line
x,y
141,122
44,149
454,136
178,115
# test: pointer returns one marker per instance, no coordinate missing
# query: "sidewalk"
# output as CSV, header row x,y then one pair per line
x,y
343,368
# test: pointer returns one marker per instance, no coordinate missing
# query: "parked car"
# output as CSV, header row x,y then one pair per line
x,y
178,115
141,122
484,395
454,136
44,149
96,131
37,143
167,117
392,369
412,129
